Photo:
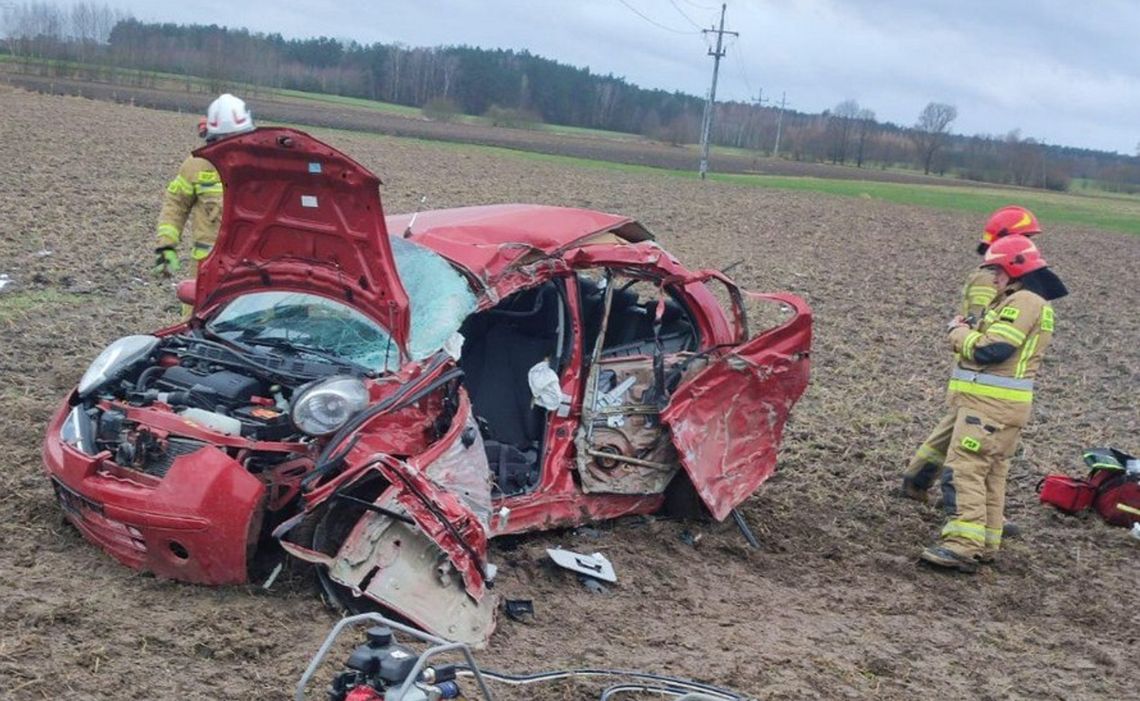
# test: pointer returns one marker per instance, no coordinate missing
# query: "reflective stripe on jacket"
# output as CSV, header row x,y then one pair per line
x,y
194,196
977,293
1021,319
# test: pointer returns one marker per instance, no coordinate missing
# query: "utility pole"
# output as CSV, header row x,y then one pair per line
x,y
779,123
706,123
746,126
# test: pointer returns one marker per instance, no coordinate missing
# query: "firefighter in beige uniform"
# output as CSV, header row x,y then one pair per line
x,y
195,194
991,395
925,468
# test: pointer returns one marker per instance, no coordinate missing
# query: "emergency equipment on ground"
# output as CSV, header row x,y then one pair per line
x,y
383,669
1112,488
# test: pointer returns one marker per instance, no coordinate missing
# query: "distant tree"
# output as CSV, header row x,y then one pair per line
x,y
931,131
839,124
866,120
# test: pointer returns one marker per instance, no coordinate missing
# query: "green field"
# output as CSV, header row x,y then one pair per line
x,y
1100,210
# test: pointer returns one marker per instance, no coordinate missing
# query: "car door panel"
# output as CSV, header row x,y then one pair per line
x,y
727,420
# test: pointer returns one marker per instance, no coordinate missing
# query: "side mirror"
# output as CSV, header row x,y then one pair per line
x,y
186,291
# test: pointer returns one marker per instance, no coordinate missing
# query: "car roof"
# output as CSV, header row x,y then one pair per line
x,y
487,239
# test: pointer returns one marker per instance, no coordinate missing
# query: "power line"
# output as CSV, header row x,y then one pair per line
x,y
655,23
682,12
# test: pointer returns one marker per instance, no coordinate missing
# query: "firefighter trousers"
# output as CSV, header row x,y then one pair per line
x,y
925,468
976,469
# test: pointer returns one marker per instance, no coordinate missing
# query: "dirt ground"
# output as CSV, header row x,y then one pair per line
x,y
831,606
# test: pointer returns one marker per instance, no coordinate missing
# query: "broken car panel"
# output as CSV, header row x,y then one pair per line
x,y
385,405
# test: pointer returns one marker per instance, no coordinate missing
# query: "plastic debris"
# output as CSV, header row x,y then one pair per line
x,y
4,281
595,565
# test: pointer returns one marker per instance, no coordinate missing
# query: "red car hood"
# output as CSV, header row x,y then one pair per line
x,y
299,215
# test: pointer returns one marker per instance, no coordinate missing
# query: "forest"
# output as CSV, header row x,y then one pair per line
x,y
519,88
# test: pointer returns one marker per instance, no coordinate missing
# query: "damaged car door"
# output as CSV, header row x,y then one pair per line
x,y
728,419
640,340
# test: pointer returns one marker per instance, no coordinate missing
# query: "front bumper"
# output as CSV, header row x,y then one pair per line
x,y
199,523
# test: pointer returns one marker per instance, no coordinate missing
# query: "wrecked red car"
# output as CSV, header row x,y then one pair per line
x,y
382,395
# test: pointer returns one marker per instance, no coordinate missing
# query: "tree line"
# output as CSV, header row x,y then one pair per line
x,y
519,88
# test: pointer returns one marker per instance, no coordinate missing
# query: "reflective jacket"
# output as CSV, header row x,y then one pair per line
x,y
977,293
999,358
194,194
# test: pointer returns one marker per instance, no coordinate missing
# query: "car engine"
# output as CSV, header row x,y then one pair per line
x,y
225,388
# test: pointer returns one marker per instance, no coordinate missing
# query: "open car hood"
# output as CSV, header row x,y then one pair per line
x,y
300,215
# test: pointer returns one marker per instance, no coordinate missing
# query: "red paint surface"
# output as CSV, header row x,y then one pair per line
x,y
728,420
300,215
206,506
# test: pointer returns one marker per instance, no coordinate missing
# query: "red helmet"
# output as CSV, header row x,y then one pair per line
x,y
1009,221
1016,255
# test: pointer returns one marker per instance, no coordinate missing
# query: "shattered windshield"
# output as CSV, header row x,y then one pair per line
x,y
439,298
308,322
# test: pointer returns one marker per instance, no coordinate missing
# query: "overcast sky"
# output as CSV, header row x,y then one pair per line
x,y
1060,71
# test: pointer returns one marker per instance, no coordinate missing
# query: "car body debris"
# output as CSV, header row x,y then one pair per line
x,y
596,565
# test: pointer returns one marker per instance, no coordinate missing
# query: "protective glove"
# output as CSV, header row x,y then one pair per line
x,y
167,263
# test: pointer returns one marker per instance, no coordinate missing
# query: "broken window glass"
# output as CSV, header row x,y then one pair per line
x,y
307,322
439,296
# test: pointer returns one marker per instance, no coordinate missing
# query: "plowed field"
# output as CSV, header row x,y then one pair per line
x,y
831,606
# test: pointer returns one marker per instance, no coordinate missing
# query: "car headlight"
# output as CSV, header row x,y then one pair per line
x,y
325,406
78,430
114,361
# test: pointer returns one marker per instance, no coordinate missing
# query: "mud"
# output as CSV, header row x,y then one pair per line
x,y
831,606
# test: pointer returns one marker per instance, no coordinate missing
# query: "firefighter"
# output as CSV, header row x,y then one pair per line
x,y
195,194
925,468
991,395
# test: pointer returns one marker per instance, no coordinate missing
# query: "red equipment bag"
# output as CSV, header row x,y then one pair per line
x,y
1069,494
1112,488
1117,498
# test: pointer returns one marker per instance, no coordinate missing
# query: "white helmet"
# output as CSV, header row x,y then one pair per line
x,y
227,116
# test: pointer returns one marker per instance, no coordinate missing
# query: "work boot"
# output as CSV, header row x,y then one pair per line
x,y
988,556
910,490
1009,529
942,556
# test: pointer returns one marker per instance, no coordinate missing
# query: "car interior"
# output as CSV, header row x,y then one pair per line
x,y
503,343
